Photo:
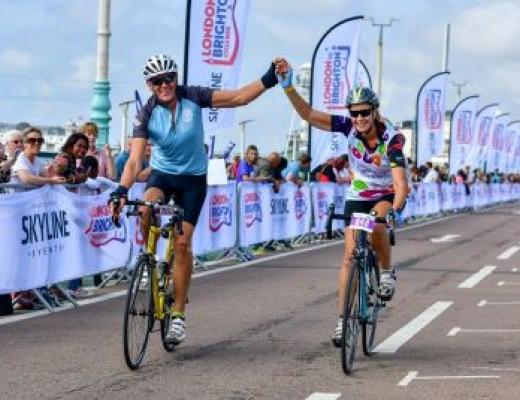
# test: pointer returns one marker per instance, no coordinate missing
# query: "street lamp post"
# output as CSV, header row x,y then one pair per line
x,y
101,100
242,125
459,86
380,50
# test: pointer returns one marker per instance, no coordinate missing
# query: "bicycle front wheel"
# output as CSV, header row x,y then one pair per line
x,y
373,306
139,318
350,331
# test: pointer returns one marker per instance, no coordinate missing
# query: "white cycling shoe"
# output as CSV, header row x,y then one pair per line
x,y
177,332
336,336
387,285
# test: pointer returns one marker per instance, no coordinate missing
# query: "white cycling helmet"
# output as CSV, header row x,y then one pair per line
x,y
158,65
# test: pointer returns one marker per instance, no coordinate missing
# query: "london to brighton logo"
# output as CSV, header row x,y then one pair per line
x,y
300,204
498,137
483,131
220,212
220,36
323,205
101,229
252,208
432,109
336,84
464,127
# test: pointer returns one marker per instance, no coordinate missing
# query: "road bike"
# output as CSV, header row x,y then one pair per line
x,y
150,293
362,303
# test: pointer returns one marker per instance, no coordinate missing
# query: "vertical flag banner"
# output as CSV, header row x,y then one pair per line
x,y
461,132
363,78
495,152
214,47
512,131
516,146
333,73
483,127
430,117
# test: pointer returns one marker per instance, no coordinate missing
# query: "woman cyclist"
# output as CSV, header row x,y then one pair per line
x,y
375,153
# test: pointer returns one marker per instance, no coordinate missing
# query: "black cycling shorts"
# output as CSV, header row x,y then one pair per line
x,y
363,206
188,191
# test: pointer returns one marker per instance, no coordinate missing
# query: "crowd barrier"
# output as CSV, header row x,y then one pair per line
x,y
51,234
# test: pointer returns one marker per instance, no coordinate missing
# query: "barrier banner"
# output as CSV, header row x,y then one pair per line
x,y
482,136
302,209
215,44
430,117
254,204
461,131
446,204
51,235
322,195
333,74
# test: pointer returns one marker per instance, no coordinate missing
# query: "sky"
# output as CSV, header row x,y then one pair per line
x,y
48,50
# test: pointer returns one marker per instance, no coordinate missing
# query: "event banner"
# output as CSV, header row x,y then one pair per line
x,y
496,159
430,117
515,163
479,141
324,194
333,74
215,44
461,132
254,205
363,78
51,235
509,149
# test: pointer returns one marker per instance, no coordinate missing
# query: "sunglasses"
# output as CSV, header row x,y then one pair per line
x,y
159,80
32,140
363,113
16,141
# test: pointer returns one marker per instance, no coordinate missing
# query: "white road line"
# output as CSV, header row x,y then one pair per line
x,y
474,279
324,396
514,269
498,303
508,253
413,376
455,331
403,335
445,238
497,369
507,283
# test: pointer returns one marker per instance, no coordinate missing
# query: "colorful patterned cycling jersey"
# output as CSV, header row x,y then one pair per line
x,y
178,141
371,168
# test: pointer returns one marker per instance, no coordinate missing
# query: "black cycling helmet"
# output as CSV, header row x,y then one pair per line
x,y
361,95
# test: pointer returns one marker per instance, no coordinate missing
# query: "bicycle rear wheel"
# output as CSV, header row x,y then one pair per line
x,y
370,324
139,318
350,331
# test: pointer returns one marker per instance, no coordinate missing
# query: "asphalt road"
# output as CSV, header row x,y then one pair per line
x,y
263,331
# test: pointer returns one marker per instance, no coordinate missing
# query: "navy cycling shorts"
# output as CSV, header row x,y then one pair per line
x,y
188,191
363,206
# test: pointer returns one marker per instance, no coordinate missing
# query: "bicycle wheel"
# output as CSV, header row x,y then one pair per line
x,y
350,331
373,306
138,319
165,323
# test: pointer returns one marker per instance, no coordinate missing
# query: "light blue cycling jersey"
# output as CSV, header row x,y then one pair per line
x,y
178,142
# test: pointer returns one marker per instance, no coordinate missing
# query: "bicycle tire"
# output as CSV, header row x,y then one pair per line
x,y
165,323
350,329
134,348
368,328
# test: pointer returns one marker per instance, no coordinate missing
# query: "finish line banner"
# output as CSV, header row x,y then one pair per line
x,y
215,46
51,235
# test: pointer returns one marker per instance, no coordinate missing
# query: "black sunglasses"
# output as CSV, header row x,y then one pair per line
x,y
159,80
32,140
364,113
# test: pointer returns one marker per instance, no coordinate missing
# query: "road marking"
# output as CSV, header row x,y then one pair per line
x,y
403,335
474,279
455,331
445,238
413,376
497,369
514,269
324,396
506,283
508,253
498,303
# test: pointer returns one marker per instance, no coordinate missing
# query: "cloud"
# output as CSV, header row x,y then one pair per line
x,y
15,59
84,70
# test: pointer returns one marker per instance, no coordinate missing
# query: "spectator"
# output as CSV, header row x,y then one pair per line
x,y
324,172
496,177
14,146
68,163
232,169
27,168
104,157
341,170
123,156
270,169
245,171
432,175
294,171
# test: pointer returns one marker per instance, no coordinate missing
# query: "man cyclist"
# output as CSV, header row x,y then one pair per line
x,y
377,163
172,120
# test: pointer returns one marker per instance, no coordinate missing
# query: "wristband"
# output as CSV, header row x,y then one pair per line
x,y
289,89
121,191
269,78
